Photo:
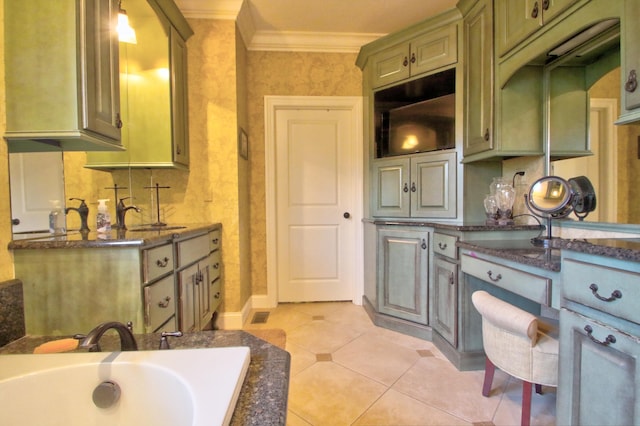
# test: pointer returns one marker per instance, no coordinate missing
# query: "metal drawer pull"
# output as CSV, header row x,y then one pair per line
x,y
616,294
217,295
632,82
162,263
442,246
215,241
609,340
216,265
497,277
424,244
165,304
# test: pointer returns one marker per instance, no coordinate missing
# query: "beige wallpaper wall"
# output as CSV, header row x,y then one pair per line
x,y
6,259
286,74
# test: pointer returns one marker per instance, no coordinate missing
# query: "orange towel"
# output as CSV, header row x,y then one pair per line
x,y
55,346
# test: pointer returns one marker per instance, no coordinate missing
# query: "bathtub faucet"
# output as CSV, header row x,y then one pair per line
x,y
127,342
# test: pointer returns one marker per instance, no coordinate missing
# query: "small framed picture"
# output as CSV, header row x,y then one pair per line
x,y
243,144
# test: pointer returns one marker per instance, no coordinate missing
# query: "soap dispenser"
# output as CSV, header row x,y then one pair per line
x,y
103,219
56,218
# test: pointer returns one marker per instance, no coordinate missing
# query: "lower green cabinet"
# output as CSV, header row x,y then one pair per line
x,y
445,299
403,273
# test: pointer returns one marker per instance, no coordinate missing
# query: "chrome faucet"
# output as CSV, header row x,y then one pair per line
x,y
92,340
83,211
121,211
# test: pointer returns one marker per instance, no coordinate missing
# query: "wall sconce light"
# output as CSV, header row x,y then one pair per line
x,y
126,34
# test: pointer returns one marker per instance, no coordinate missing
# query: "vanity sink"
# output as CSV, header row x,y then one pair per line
x,y
168,387
156,228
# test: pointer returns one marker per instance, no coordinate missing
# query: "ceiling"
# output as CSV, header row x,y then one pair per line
x,y
315,25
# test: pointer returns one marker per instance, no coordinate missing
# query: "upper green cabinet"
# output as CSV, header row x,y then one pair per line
x,y
432,50
61,69
478,78
519,19
630,61
153,90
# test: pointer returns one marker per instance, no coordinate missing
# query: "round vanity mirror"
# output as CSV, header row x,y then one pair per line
x,y
551,195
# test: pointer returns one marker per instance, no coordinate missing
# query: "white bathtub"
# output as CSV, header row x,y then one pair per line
x,y
173,387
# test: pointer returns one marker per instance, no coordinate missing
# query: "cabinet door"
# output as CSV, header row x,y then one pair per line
x,y
403,262
391,195
515,20
390,65
599,381
631,56
445,299
478,76
433,185
436,49
179,100
100,94
188,291
204,292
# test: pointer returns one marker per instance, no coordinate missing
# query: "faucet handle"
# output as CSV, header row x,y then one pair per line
x,y
164,342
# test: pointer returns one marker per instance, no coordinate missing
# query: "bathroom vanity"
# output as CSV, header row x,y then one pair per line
x,y
161,280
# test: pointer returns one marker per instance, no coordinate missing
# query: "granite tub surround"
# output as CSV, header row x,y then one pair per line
x,y
114,238
11,311
263,397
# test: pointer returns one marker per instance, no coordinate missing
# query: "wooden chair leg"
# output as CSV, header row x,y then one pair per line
x,y
489,370
526,404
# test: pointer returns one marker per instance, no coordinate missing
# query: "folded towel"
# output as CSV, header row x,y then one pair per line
x,y
56,346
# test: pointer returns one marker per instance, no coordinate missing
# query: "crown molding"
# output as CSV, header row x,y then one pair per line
x,y
211,9
301,41
285,41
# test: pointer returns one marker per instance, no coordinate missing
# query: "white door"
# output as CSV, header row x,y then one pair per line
x,y
316,204
36,179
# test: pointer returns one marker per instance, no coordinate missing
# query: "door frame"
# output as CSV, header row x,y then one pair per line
x,y
272,104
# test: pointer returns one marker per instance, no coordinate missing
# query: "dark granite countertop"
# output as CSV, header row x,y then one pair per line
x,y
263,397
523,251
456,226
133,237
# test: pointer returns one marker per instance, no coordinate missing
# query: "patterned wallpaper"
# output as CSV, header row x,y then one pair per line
x,y
286,74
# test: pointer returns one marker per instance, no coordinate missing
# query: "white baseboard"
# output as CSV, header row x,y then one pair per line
x,y
235,320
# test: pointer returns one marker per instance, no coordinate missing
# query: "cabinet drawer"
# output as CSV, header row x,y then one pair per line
x,y
216,292
157,261
609,283
193,249
445,245
214,239
216,265
159,299
530,286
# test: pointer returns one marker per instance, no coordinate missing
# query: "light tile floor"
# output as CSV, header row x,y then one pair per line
x,y
347,371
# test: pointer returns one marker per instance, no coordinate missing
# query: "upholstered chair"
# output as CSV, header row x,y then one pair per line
x,y
518,343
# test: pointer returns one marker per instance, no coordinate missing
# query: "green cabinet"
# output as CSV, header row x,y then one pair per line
x,y
630,62
153,90
403,273
445,287
516,20
599,382
434,49
61,70
478,78
420,185
599,375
